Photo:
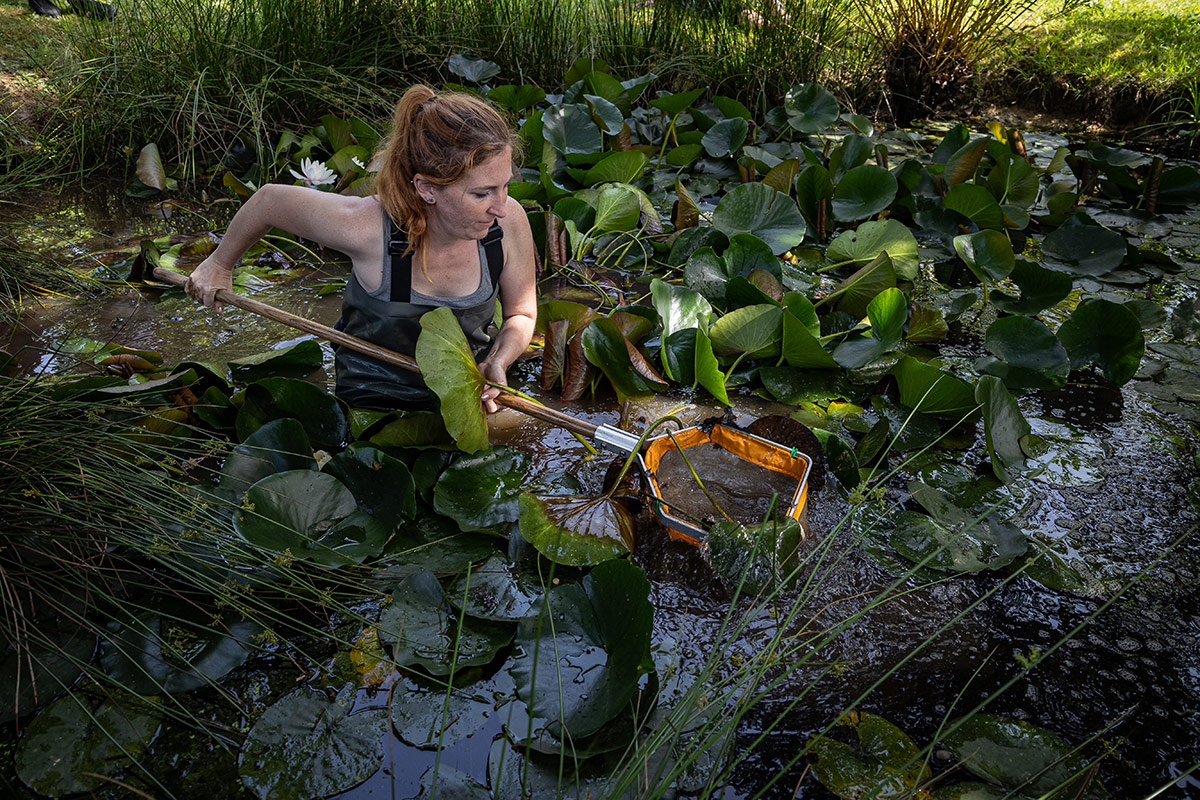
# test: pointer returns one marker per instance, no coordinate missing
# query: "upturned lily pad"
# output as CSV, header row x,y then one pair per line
x,y
451,372
479,491
707,274
886,764
810,107
1107,333
752,558
307,745
1017,755
758,209
496,590
1040,288
679,308
570,129
442,717
887,313
870,239
625,366
932,390
988,254
1028,354
382,485
76,743
176,649
1005,427
296,361
427,631
274,398
756,331
726,137
312,515
580,656
863,192
976,204
576,530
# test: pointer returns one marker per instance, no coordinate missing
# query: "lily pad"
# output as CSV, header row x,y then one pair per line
x,y
1084,248
863,192
382,485
1028,354
934,391
175,649
449,783
1107,333
497,591
274,398
625,366
479,491
48,658
810,107
988,254
570,129
516,98
312,515
801,348
451,372
1004,426
870,239
976,204
679,308
707,274
856,292
296,361
954,540
756,331
443,717
74,744
427,631
279,446
726,137
580,657
307,745
1040,288
576,530
886,765
1018,755
758,209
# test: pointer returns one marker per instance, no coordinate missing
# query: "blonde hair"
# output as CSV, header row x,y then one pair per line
x,y
441,135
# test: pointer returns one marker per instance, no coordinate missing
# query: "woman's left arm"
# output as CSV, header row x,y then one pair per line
x,y
518,302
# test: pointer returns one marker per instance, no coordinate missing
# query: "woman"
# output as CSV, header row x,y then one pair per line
x,y
440,230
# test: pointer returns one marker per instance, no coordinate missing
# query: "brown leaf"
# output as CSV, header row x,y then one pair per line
x,y
624,139
558,250
554,354
766,283
782,175
579,371
685,213
642,366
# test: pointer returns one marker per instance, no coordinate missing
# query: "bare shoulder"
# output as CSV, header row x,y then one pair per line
x,y
515,224
339,221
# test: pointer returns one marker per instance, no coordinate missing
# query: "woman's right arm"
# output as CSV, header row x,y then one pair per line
x,y
336,221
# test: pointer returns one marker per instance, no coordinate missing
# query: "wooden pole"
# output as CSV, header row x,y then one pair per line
x,y
515,402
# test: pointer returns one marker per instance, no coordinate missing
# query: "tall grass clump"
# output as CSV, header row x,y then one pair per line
x,y
196,77
926,51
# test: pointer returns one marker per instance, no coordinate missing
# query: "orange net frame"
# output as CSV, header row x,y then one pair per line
x,y
753,449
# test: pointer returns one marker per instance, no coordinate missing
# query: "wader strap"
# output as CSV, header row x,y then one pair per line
x,y
493,249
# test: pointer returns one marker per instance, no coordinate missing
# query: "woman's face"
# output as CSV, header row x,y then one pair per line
x,y
467,208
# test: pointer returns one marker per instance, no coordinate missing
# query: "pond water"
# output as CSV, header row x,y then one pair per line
x,y
1112,496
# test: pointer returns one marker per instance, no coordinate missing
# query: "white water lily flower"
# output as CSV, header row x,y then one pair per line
x,y
314,173
358,163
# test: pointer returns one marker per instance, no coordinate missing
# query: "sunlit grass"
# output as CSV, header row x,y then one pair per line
x,y
1110,43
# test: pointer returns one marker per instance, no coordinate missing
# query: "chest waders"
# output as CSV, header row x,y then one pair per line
x,y
394,323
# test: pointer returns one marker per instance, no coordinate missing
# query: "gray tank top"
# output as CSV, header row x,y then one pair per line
x,y
384,292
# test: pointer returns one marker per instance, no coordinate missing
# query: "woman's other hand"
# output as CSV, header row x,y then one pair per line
x,y
206,280
495,373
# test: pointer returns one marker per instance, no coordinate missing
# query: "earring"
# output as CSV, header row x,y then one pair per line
x,y
429,200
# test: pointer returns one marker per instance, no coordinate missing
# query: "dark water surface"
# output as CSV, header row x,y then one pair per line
x,y
1114,496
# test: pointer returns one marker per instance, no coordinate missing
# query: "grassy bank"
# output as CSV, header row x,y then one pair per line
x,y
198,77
1131,62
